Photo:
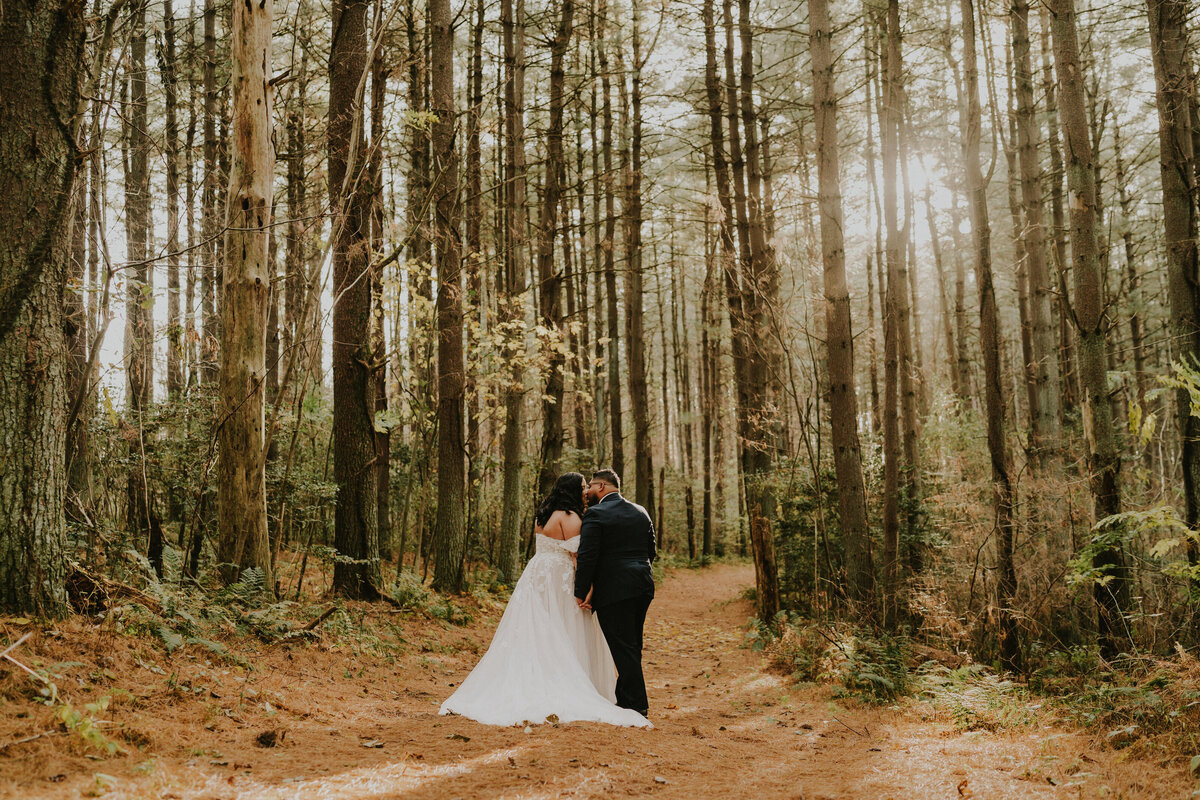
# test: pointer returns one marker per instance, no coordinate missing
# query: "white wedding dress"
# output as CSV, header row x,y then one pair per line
x,y
547,657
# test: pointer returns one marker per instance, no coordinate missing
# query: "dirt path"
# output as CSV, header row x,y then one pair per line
x,y
724,728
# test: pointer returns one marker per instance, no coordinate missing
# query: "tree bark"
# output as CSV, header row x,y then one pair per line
x,y
843,402
1112,594
383,447
43,45
550,288
1175,88
450,527
1045,372
210,223
167,62
246,288
635,345
513,282
894,321
615,414
356,523
989,339
1069,395
139,294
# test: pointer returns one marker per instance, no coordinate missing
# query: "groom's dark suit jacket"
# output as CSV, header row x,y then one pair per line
x,y
616,546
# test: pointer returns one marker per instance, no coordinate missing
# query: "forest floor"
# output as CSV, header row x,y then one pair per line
x,y
350,720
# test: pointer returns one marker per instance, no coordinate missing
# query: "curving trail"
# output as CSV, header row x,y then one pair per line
x,y
725,728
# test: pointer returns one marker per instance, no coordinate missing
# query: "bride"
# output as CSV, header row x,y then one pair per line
x,y
548,656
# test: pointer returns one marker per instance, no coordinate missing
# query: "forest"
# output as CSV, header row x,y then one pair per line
x,y
895,305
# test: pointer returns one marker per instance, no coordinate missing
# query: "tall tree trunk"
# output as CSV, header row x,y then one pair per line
x,y
843,402
616,426
242,487
722,271
139,293
43,46
1133,275
550,288
474,256
512,23
635,344
210,222
1046,379
894,321
1112,594
78,338
872,341
450,527
383,447
1176,85
356,520
989,339
1069,395
167,62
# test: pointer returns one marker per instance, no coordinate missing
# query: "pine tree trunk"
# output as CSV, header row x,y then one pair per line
x,y
1112,596
1175,84
843,403
989,339
513,283
171,152
450,526
722,271
242,489
893,322
550,283
44,52
1046,379
210,222
474,258
75,320
1069,394
635,344
383,447
139,295
356,520
616,425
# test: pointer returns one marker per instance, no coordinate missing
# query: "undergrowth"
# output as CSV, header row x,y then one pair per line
x,y
1150,704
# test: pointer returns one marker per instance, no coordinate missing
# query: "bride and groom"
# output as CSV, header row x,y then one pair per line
x,y
569,645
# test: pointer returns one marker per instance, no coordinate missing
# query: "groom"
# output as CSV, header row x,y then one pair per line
x,y
616,546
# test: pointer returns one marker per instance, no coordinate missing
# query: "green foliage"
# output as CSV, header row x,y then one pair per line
x,y
409,591
248,589
1139,699
975,698
1168,536
874,668
808,544
84,724
868,666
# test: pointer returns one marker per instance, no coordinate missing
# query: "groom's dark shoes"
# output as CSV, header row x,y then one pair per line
x,y
616,548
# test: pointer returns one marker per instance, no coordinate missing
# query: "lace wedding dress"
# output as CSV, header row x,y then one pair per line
x,y
547,656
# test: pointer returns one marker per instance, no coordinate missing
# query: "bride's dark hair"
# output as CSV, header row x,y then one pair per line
x,y
567,495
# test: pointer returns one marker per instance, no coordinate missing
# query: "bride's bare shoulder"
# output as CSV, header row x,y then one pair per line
x,y
570,524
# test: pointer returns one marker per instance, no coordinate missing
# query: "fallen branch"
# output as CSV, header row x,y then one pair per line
x,y
324,616
847,727
7,745
309,630
7,657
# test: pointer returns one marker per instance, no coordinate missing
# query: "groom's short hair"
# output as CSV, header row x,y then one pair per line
x,y
609,477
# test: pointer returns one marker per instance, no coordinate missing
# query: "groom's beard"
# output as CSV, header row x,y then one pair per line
x,y
592,499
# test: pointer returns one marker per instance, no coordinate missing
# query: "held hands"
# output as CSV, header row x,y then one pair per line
x,y
586,603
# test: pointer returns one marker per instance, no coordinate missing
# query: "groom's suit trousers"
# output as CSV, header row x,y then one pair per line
x,y
622,624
